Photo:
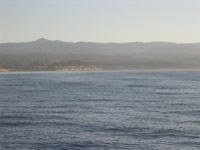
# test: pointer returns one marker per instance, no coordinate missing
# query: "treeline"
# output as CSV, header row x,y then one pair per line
x,y
38,62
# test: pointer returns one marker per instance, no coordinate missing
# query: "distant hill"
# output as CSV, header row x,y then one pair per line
x,y
44,54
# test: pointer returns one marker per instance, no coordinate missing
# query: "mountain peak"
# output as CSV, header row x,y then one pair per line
x,y
42,40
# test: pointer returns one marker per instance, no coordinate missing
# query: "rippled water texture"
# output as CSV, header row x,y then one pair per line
x,y
100,110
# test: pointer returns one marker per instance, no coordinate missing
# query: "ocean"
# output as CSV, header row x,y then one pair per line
x,y
100,110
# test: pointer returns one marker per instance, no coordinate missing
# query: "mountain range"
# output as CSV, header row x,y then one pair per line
x,y
46,54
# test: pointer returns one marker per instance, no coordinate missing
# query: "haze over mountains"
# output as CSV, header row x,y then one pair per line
x,y
44,54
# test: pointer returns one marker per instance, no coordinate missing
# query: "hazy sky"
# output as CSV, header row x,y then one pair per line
x,y
100,20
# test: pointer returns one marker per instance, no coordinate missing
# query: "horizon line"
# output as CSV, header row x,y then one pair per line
x,y
45,39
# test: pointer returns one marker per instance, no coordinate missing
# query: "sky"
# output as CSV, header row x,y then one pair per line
x,y
100,20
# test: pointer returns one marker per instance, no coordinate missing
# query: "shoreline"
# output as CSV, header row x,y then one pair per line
x,y
100,70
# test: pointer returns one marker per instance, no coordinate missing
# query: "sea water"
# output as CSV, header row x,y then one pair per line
x,y
100,110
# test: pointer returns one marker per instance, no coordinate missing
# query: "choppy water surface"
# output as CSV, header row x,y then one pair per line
x,y
100,110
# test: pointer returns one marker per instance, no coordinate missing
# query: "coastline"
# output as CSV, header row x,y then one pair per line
x,y
4,70
98,70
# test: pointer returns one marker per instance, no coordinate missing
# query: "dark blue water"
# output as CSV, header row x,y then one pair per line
x,y
100,110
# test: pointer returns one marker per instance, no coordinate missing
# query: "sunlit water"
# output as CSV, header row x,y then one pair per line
x,y
100,110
